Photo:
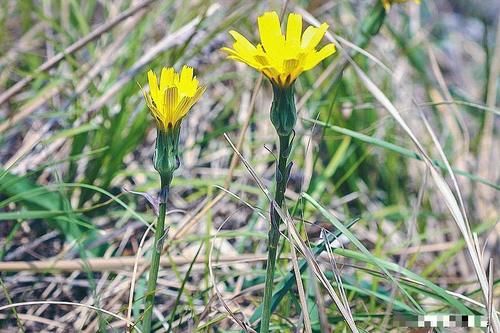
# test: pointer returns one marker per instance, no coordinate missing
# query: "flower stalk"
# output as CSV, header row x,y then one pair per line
x,y
160,235
281,58
170,98
166,161
282,176
283,117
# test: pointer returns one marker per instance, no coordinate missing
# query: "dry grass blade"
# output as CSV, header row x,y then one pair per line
x,y
300,288
244,325
464,103
304,249
234,195
336,272
109,264
5,96
9,306
490,305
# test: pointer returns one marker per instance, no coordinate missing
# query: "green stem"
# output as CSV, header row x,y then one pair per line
x,y
282,173
155,261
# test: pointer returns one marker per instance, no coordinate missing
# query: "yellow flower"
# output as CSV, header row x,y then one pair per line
x,y
387,3
170,101
281,58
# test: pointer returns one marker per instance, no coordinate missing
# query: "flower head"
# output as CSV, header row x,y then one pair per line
x,y
282,58
387,3
172,99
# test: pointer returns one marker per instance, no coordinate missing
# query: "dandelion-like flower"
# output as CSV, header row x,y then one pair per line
x,y
282,58
171,99
387,3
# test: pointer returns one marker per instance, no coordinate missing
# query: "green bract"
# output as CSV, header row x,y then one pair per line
x,y
166,157
283,111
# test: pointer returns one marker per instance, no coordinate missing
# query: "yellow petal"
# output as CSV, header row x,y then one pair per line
x,y
151,106
166,78
170,104
307,36
186,83
153,87
185,106
290,64
270,32
197,95
229,51
194,85
294,29
312,36
241,44
186,75
262,60
232,54
271,72
316,57
245,61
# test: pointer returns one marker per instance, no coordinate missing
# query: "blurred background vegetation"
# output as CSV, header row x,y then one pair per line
x,y
76,144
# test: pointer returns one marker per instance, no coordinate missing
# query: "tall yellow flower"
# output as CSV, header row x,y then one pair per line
x,y
387,3
282,58
169,101
172,99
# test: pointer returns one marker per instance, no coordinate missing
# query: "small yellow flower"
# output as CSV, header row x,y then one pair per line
x,y
387,3
281,58
170,101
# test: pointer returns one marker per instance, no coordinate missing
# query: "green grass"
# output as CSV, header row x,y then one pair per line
x,y
79,134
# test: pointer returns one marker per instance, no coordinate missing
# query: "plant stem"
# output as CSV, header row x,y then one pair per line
x,y
155,261
282,173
